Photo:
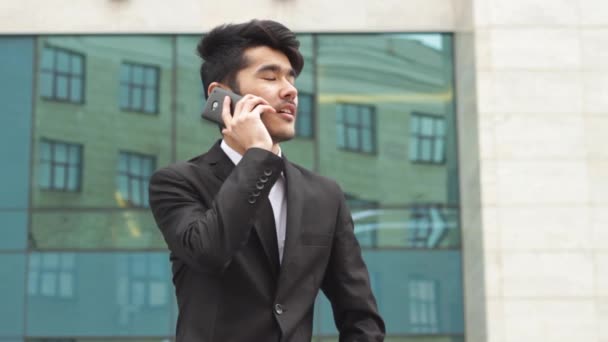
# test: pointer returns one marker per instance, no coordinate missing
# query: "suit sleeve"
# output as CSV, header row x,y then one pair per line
x,y
347,286
206,237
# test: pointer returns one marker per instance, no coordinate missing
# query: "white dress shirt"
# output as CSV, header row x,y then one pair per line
x,y
277,197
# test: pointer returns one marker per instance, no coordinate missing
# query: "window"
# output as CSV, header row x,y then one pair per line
x,y
423,305
427,138
430,224
62,75
365,219
139,87
134,171
60,166
356,128
145,282
51,275
305,120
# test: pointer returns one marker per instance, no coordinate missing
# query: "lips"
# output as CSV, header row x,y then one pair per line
x,y
288,109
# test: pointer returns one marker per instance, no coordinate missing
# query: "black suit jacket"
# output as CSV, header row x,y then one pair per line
x,y
227,288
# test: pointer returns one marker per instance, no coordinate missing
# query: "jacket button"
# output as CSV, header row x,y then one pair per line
x,y
251,199
278,309
263,179
267,172
259,185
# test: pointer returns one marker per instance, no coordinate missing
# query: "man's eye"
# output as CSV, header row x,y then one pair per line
x,y
269,78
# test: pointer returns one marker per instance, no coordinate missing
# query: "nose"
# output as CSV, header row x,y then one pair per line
x,y
289,91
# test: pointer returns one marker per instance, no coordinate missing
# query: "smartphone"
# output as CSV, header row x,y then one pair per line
x,y
215,103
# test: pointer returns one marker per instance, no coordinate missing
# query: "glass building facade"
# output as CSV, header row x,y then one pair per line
x,y
87,119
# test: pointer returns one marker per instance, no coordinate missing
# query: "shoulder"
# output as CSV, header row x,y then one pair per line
x,y
181,170
318,182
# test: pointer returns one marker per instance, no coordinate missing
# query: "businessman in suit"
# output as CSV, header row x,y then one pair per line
x,y
253,237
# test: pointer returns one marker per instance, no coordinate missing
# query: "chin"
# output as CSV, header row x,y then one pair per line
x,y
279,137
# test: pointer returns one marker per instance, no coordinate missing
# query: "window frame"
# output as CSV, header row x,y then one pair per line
x,y
54,71
344,146
53,163
130,86
419,137
140,178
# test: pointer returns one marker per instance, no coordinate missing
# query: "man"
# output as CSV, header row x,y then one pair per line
x,y
253,237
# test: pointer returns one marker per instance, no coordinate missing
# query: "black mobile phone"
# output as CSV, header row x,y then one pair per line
x,y
215,103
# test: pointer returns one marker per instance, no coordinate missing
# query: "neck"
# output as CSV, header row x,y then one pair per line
x,y
230,142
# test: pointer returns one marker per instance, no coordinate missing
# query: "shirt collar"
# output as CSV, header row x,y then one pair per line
x,y
234,155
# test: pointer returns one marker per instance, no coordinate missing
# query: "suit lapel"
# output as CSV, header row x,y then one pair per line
x,y
222,166
295,203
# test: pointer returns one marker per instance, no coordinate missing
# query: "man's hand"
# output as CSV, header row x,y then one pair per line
x,y
245,127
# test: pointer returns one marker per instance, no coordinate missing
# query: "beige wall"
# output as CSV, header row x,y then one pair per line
x,y
542,72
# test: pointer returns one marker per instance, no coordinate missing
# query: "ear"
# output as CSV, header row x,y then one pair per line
x,y
212,86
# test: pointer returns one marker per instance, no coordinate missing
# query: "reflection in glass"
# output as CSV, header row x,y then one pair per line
x,y
129,291
376,113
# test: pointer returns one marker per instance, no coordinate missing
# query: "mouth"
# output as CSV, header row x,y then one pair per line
x,y
288,109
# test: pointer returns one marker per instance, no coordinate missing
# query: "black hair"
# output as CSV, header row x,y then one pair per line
x,y
223,48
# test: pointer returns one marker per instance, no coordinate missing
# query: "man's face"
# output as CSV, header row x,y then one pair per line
x,y
269,75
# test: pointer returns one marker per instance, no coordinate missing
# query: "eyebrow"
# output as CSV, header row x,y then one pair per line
x,y
275,68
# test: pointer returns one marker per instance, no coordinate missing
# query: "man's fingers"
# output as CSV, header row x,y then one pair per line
x,y
261,109
250,103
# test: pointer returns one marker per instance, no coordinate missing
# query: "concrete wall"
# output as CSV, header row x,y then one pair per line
x,y
542,72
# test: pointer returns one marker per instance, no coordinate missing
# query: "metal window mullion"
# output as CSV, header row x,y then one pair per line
x,y
129,91
54,87
69,76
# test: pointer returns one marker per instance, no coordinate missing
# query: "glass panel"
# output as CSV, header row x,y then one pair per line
x,y
59,177
428,282
150,105
136,98
135,165
12,273
138,75
62,87
427,126
438,155
425,149
76,90
74,157
352,138
386,71
61,153
135,195
63,61
151,77
44,175
77,65
366,136
101,274
47,62
73,178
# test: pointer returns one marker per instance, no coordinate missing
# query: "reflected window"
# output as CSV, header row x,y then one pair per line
x,y
427,138
356,127
62,75
365,219
430,225
134,171
305,118
60,166
423,305
144,281
52,275
139,87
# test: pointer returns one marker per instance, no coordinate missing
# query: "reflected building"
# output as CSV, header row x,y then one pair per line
x,y
376,113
